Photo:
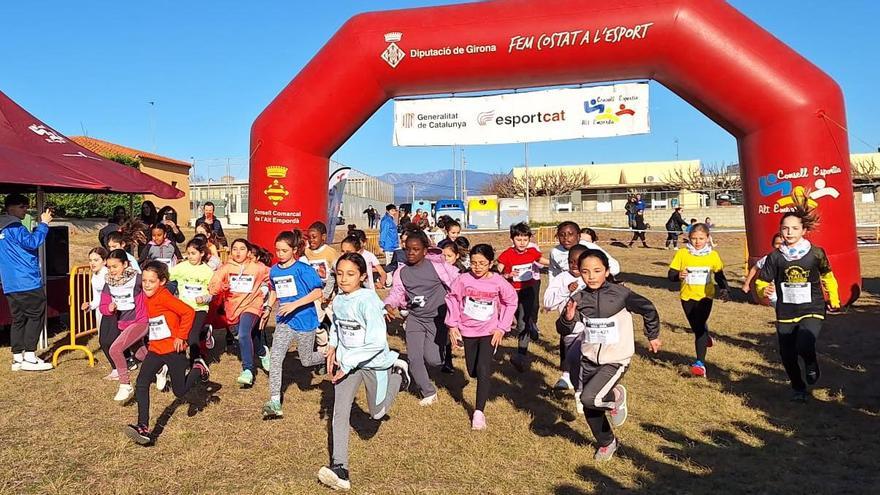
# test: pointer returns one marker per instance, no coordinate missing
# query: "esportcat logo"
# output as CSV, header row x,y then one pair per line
x,y
531,118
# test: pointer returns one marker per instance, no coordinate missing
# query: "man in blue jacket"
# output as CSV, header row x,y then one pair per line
x,y
23,281
388,240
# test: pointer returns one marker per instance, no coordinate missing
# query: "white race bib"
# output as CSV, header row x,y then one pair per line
x,y
284,286
479,310
799,293
123,297
601,331
522,273
166,261
351,333
241,284
698,275
159,328
191,292
417,302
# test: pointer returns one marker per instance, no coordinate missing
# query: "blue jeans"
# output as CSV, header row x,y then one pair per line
x,y
249,337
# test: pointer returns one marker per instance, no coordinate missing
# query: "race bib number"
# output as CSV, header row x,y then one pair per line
x,y
698,275
159,328
417,302
321,269
479,310
191,292
351,333
799,293
601,331
123,297
241,284
284,286
166,261
522,273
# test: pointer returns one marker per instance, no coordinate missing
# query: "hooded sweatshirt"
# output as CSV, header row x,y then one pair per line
x,y
606,313
170,318
358,332
128,295
19,255
243,287
480,306
167,253
401,296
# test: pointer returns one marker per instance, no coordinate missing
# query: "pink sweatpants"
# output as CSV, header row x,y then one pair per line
x,y
130,336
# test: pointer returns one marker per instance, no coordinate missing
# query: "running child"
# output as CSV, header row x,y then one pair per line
x,y
322,258
123,298
295,286
516,264
241,283
354,243
568,234
558,292
193,277
171,322
116,240
605,309
358,354
160,248
453,253
775,243
98,268
420,286
481,310
699,268
797,273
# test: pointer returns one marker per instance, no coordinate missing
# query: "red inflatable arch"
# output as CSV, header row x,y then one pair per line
x,y
785,113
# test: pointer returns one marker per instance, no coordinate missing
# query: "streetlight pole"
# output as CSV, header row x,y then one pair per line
x,y
526,163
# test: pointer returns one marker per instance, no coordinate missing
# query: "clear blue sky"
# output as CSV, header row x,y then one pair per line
x,y
211,67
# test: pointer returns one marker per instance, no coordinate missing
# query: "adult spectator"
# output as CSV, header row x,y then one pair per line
x,y
212,221
674,227
113,224
630,209
640,203
23,281
167,216
371,214
148,218
404,222
388,240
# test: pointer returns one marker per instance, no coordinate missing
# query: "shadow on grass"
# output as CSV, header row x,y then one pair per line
x,y
198,398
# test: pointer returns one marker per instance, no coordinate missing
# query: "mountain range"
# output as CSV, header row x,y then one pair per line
x,y
432,185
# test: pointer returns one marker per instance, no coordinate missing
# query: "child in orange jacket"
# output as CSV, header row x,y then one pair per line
x,y
170,322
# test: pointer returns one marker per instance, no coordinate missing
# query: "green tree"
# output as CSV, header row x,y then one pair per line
x,y
84,205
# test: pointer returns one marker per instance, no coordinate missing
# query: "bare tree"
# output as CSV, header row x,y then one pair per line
x,y
550,183
865,171
708,179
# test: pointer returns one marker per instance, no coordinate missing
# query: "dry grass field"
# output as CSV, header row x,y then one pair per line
x,y
735,432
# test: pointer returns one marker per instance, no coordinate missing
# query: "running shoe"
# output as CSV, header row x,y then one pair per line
x,y
139,434
272,410
209,337
34,364
202,367
447,368
534,335
112,376
606,453
245,379
162,378
698,369
564,383
478,422
619,413
132,363
124,393
335,476
710,342
16,365
578,405
429,400
265,359
813,374
401,367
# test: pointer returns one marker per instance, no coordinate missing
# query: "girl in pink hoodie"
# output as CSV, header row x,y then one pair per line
x,y
481,308
420,286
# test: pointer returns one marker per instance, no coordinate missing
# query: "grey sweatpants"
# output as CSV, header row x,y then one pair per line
x,y
344,393
423,349
281,339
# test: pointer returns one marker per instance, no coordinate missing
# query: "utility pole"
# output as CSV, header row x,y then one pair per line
x,y
463,174
526,163
413,186
454,176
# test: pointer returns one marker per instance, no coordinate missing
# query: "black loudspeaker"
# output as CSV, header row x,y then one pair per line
x,y
57,251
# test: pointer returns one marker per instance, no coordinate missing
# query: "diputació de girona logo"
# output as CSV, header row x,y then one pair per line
x,y
276,191
393,54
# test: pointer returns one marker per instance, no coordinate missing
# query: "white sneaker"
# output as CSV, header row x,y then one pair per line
x,y
35,364
162,378
16,365
429,400
564,383
578,405
125,392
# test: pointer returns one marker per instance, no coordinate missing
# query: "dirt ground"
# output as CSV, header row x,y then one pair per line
x,y
735,432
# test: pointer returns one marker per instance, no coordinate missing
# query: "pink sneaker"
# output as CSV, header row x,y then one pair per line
x,y
479,421
113,376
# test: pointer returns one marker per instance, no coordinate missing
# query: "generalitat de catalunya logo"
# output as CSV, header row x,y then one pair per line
x,y
393,54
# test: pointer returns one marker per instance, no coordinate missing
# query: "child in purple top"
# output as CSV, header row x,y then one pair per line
x,y
481,307
420,286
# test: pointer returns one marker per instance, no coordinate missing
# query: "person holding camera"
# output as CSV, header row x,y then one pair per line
x,y
23,281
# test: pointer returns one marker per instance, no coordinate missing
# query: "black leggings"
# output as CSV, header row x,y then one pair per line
x,y
107,334
638,234
672,239
478,361
526,314
798,339
181,382
697,313
195,335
